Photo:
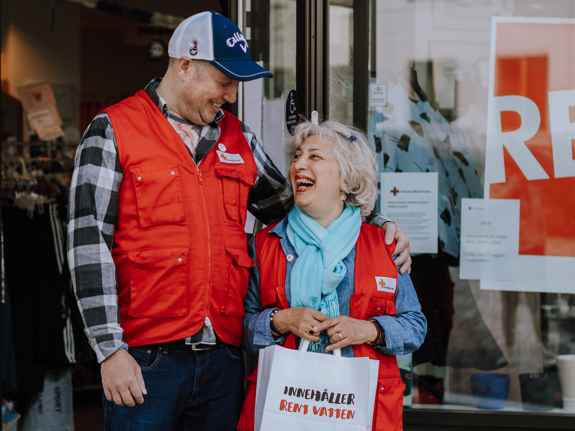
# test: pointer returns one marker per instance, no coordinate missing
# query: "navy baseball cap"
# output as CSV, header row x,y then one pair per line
x,y
212,37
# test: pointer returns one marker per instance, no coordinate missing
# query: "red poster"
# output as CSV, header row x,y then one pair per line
x,y
531,144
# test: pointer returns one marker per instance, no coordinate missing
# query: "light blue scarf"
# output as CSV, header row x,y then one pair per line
x,y
319,268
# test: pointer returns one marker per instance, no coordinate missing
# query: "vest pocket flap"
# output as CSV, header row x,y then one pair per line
x,y
380,306
158,282
231,172
240,257
158,194
154,172
159,257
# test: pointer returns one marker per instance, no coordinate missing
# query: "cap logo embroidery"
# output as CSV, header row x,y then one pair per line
x,y
194,47
237,37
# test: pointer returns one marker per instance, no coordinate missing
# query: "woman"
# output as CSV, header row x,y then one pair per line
x,y
321,265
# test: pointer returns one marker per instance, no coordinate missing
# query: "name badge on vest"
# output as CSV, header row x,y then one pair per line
x,y
386,284
230,158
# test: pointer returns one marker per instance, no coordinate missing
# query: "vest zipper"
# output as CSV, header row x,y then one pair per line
x,y
207,293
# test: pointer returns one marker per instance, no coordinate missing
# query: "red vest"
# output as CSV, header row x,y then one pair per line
x,y
372,259
179,245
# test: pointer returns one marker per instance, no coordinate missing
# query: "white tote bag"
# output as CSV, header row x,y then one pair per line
x,y
305,391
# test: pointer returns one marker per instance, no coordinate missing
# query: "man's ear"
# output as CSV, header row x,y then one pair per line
x,y
185,68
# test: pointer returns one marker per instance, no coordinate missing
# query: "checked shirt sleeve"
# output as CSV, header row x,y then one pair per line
x,y
92,215
376,219
271,198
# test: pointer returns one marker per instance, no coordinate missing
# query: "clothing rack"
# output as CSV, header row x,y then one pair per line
x,y
37,144
49,145
9,184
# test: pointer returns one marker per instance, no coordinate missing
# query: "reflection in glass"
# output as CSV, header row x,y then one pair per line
x,y
433,58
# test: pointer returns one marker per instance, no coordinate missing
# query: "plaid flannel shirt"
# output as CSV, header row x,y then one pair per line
x,y
94,209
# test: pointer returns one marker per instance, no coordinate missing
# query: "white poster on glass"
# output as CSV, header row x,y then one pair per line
x,y
410,200
489,239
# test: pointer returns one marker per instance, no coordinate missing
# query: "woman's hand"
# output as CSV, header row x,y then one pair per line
x,y
345,331
299,320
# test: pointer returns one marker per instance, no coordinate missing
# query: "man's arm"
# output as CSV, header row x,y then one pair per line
x,y
92,215
394,233
271,199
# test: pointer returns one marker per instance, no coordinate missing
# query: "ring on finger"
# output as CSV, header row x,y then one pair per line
x,y
340,336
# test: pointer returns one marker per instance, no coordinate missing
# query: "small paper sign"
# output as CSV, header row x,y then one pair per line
x,y
377,95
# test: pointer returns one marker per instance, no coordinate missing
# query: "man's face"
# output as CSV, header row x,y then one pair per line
x,y
205,89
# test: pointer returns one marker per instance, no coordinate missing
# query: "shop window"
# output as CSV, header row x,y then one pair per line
x,y
441,66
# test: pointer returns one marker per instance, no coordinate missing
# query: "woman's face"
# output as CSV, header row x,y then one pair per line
x,y
314,174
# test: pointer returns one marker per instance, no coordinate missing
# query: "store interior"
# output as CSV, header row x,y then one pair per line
x,y
91,59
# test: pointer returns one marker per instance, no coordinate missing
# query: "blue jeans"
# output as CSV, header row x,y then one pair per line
x,y
187,390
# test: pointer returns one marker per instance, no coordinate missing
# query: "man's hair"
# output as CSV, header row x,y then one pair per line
x,y
355,158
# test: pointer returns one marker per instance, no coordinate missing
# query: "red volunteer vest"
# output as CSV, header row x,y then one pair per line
x,y
179,245
373,259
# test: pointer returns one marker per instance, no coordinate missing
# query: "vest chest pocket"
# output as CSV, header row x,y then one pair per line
x,y
237,277
236,187
158,195
158,282
380,306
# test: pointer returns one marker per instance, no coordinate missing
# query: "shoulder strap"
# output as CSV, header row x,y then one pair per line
x,y
272,268
371,253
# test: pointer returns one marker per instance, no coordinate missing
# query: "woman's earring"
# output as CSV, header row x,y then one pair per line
x,y
343,198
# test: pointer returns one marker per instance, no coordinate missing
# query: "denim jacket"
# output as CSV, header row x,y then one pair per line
x,y
404,332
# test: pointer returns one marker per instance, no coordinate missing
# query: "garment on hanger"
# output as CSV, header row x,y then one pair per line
x,y
417,138
472,345
21,277
430,277
472,128
39,281
8,358
52,409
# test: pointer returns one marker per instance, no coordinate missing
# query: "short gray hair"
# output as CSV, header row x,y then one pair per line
x,y
355,158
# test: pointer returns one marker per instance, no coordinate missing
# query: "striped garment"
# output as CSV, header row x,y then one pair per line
x,y
58,229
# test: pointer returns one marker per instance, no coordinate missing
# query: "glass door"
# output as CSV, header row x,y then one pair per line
x,y
270,27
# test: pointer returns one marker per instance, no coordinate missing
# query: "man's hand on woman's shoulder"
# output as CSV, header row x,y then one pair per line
x,y
402,248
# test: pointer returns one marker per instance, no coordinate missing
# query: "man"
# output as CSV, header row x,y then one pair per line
x,y
156,239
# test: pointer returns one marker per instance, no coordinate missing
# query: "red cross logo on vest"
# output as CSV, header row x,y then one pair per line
x,y
386,284
223,157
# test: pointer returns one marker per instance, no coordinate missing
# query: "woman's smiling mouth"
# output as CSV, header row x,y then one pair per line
x,y
303,183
